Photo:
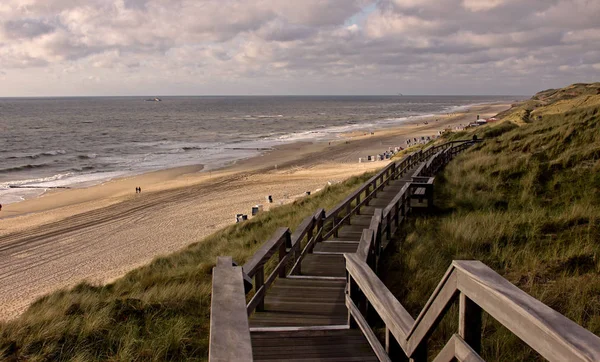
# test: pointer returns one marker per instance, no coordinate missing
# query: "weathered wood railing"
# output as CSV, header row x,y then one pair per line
x,y
477,288
386,221
351,205
290,254
228,317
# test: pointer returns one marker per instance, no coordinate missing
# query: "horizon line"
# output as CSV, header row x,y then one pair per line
x,y
274,95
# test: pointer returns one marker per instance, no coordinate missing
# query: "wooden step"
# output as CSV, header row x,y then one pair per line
x,y
336,247
283,319
303,302
304,346
380,203
362,220
324,265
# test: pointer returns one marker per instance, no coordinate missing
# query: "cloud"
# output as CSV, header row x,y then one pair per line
x,y
26,28
373,45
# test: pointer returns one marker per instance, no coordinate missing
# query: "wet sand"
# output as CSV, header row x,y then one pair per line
x,y
101,232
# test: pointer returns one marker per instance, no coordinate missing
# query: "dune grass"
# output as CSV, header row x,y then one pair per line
x,y
159,312
526,203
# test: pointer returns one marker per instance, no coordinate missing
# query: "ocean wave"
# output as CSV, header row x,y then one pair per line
x,y
54,153
34,156
191,148
83,168
87,157
264,116
24,167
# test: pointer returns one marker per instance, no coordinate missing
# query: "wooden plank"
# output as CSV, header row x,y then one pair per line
x,y
340,345
448,353
314,331
420,191
432,312
395,200
367,331
229,328
302,229
463,352
376,219
342,247
323,265
365,245
469,322
316,277
283,319
393,314
551,334
265,252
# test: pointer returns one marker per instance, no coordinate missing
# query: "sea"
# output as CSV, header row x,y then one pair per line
x,y
81,141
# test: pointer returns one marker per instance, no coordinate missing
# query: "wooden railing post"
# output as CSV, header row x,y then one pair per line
x,y
351,290
358,203
320,221
349,211
283,253
392,347
388,231
259,281
469,322
397,214
374,188
335,221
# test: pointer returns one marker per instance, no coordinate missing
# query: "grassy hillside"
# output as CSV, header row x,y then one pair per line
x,y
158,312
553,101
526,203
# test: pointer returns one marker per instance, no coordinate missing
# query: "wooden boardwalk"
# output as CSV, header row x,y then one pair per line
x,y
316,297
305,303
322,291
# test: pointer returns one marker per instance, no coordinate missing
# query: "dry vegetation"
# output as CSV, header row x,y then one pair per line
x,y
526,203
159,312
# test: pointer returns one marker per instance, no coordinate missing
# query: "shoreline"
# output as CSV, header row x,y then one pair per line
x,y
101,232
38,189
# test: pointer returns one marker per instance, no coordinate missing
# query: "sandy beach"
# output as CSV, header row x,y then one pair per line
x,y
101,232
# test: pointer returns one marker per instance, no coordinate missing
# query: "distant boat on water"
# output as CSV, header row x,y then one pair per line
x,y
155,99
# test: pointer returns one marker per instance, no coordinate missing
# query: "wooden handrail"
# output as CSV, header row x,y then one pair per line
x,y
342,205
313,237
265,252
457,349
548,332
231,340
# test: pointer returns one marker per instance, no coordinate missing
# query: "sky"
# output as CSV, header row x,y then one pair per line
x,y
299,47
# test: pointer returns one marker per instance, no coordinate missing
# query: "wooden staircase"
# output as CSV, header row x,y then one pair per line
x,y
309,310
318,301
